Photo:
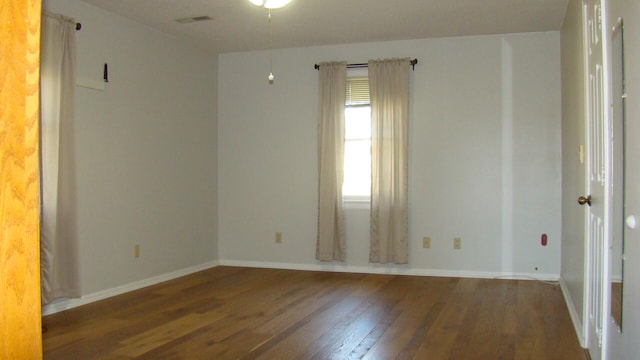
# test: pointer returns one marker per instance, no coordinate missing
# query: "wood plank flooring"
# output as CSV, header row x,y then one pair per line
x,y
616,302
246,313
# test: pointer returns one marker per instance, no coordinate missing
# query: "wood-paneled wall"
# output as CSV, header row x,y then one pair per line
x,y
20,309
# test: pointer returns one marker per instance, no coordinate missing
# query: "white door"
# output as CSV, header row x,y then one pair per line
x,y
595,200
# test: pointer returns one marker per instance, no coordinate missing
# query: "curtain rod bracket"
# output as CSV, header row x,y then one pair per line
x,y
78,26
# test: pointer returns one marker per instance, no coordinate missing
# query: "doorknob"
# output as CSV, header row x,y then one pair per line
x,y
584,200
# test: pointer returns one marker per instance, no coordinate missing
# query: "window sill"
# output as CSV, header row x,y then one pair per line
x,y
356,204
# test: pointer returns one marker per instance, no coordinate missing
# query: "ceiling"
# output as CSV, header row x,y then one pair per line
x,y
238,25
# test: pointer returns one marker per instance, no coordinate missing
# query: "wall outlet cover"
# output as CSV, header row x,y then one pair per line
x,y
426,242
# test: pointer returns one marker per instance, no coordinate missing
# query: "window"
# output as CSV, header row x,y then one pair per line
x,y
357,142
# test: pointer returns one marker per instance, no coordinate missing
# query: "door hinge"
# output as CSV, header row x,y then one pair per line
x,y
599,335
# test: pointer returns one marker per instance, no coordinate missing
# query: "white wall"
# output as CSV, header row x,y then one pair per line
x,y
573,173
145,149
485,155
625,345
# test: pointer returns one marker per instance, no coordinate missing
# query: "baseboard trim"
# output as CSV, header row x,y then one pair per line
x,y
66,304
577,324
396,270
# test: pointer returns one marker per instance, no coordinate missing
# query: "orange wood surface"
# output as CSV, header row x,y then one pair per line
x,y
20,311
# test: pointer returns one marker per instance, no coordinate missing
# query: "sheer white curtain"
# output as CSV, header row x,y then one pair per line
x,y
332,97
389,91
58,239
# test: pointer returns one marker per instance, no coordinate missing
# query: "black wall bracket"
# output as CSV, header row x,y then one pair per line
x,y
106,73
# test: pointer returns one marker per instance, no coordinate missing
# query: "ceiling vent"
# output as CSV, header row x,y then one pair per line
x,y
193,19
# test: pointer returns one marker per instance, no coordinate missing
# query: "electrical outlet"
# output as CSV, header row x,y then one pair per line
x,y
457,243
426,242
136,251
278,237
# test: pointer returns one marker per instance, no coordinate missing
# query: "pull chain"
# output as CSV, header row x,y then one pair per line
x,y
271,77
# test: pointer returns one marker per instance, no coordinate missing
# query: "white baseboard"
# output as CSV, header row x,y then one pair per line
x,y
65,304
395,270
573,313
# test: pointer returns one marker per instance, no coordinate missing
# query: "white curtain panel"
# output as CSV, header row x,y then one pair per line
x,y
389,91
58,239
332,98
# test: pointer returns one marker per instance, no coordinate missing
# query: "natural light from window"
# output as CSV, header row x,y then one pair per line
x,y
357,153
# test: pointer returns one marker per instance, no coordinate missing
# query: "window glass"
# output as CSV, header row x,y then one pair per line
x,y
357,153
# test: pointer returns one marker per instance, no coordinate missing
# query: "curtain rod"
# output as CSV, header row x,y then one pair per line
x,y
62,18
364,65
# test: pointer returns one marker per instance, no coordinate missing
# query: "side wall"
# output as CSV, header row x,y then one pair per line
x,y
146,150
485,156
573,172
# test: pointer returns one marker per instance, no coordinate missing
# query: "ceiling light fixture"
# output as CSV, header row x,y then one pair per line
x,y
270,4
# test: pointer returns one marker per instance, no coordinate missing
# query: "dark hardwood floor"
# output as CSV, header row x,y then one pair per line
x,y
244,313
616,302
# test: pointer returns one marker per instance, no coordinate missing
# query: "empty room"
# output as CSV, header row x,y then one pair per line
x,y
439,179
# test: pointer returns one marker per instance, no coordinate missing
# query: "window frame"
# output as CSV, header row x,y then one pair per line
x,y
357,201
